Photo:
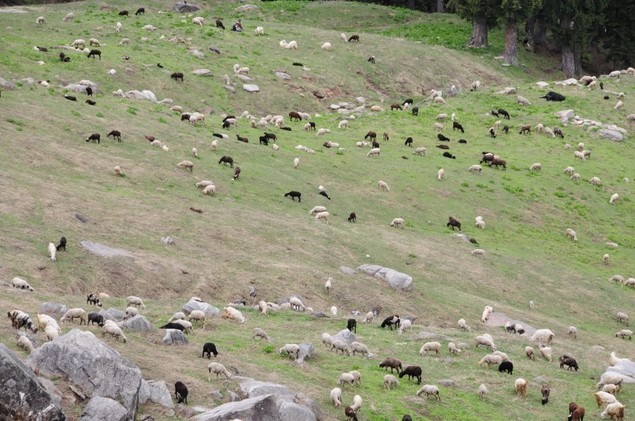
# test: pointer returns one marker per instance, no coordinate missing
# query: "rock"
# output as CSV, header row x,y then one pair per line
x,y
103,409
104,251
306,351
53,309
208,309
570,81
345,335
283,75
155,391
427,336
145,94
569,114
112,314
613,135
446,382
251,88
81,218
342,111
508,91
246,8
21,391
197,53
334,107
348,271
76,87
262,408
174,337
92,366
542,84
138,324
396,280
626,368
612,244
6,85
360,99
244,78
202,72
185,7
167,240
56,395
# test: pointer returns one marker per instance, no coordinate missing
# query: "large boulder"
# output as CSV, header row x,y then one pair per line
x,y
102,250
625,368
185,7
174,337
261,408
53,309
145,94
21,393
345,335
246,8
155,391
306,351
6,85
208,309
613,135
112,314
251,88
91,366
137,323
103,409
396,280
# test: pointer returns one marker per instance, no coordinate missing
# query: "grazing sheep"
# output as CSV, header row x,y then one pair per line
x,y
209,348
543,336
259,30
373,152
218,369
336,397
390,381
52,251
429,390
340,346
572,332
391,363
421,150
605,258
209,190
463,325
21,284
391,321
291,350
603,398
94,53
453,223
327,340
114,330
412,371
227,160
383,185
613,198
478,252
260,333
359,347
535,167
296,163
545,391
485,341
624,333
613,410
405,324
441,174
452,349
479,223
197,315
487,310
26,344
135,301
326,46
491,359
522,101
569,362
506,366
482,390
610,388
520,386
322,216
346,378
529,352
475,169
569,233
231,313
397,222
368,317
189,165
198,20
622,318
430,346
76,313
545,351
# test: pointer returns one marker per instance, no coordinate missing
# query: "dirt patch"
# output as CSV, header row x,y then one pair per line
x,y
104,251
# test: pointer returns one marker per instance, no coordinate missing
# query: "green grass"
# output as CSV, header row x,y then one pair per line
x,y
249,234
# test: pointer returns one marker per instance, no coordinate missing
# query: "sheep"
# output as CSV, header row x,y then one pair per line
x,y
491,359
618,105
439,100
412,371
429,390
359,347
624,333
576,177
231,313
322,216
296,163
209,190
630,282
569,170
327,340
51,332
576,413
150,28
520,386
613,410
343,124
52,250
535,167
603,398
351,325
545,351
405,324
605,258
485,341
336,397
291,350
545,391
441,174
197,315
292,45
572,332
263,307
568,361
26,344
529,352
296,304
613,198
118,27
438,126
334,311
209,348
610,388
373,152
487,310
21,284
321,132
198,20
475,169
397,222
114,330
383,185
96,318
522,101
368,317
482,390
326,46
463,325
135,301
452,349
218,369
259,30
44,321
421,151
569,233
391,321
346,378
479,223
340,346
327,284
260,333
579,155
430,346
317,209
622,318
390,381
75,313
391,363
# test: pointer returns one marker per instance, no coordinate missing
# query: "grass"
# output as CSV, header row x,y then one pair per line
x,y
249,234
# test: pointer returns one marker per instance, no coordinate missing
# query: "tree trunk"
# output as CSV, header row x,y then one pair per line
x,y
510,55
536,32
479,32
568,61
440,6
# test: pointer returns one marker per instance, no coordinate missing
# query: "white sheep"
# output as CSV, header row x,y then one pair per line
x,y
476,169
259,333
535,167
322,216
390,381
491,359
209,190
368,318
197,315
383,185
259,30
231,313
614,410
94,42
218,369
429,390
452,348
376,108
543,336
613,198
263,307
189,165
75,313
317,209
327,285
359,347
21,284
135,301
179,315
403,326
501,354
397,222
605,258
69,17
336,397
44,320
545,351
604,398
487,310
624,333
346,378
340,346
482,390
439,100
52,251
39,20
26,344
441,174
549,131
463,325
485,340
343,37
118,27
576,177
478,253
438,126
520,386
51,332
441,117
479,223
610,388
78,43
630,282
572,332
569,233
595,181
421,151
334,311
357,400
198,20
327,340
296,163
618,105
296,304
622,318
569,170
343,124
373,152
114,330
430,346
292,45
150,28
290,349
322,132
529,352
327,46
522,101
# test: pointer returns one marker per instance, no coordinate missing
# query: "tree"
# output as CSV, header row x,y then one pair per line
x,y
618,33
482,13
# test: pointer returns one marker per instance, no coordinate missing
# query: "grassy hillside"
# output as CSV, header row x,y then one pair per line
x,y
249,234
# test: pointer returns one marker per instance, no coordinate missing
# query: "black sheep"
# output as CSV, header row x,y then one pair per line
x,y
352,217
89,91
350,413
185,117
503,113
390,321
219,24
449,155
140,11
492,132
177,75
415,111
173,326
181,392
453,223
70,97
409,101
457,126
94,53
371,135
311,125
271,136
123,13
371,59
354,38
443,147
227,160
236,173
506,366
545,391
90,102
325,194
351,324
506,129
94,137
209,348
412,371
554,96
95,318
463,141
376,144
406,418
558,132
571,363
242,139
116,134
293,194
443,138
264,140
408,142
93,299
62,244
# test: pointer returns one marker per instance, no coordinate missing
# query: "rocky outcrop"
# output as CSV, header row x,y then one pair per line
x,y
174,337
185,7
396,280
22,396
91,366
208,309
137,323
103,409
54,310
346,336
155,391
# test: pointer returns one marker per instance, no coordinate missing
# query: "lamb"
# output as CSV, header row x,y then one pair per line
x,y
391,363
491,359
114,330
368,317
452,349
529,352
603,398
613,198
482,390
336,397
135,301
429,390
260,333
231,313
405,324
76,313
622,318
624,333
209,190
259,30
218,369
296,163
26,344
569,233
340,346
383,185
479,223
572,332
397,222
291,350
520,386
610,388
463,325
522,101
486,312
21,284
485,341
535,167
359,347
373,152
326,46
189,165
322,216
327,340
430,346
545,351
412,371
390,381
613,410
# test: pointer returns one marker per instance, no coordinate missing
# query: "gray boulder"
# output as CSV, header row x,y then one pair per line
x,y
208,309
54,310
261,408
112,314
145,94
138,324
184,7
197,53
345,335
246,8
202,72
6,85
22,394
625,368
613,135
103,409
568,114
155,391
306,351
91,366
396,280
251,88
346,270
283,75
174,337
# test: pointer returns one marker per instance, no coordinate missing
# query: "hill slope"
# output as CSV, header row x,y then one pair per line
x,y
250,234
